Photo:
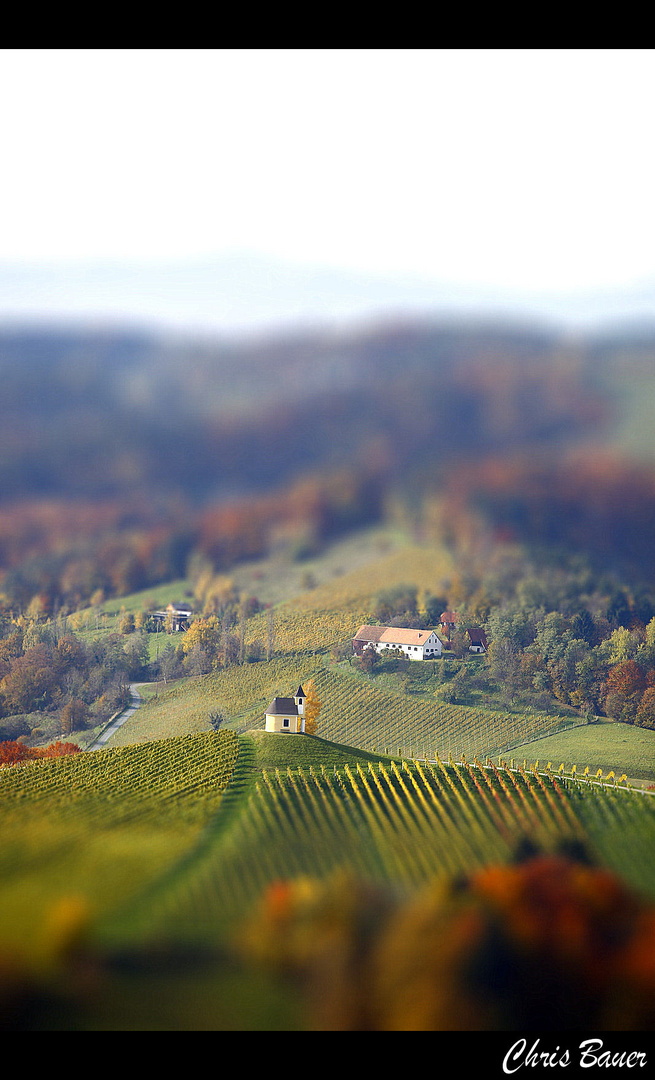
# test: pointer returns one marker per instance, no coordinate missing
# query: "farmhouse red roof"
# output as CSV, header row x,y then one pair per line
x,y
449,616
392,635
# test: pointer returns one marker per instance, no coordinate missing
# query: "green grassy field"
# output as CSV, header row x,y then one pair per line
x,y
602,745
147,860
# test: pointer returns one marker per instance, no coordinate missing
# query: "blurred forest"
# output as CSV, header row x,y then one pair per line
x,y
122,454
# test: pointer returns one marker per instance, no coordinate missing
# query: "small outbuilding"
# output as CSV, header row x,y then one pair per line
x,y
287,714
449,621
478,639
174,617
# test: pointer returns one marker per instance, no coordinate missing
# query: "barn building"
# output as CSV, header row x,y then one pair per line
x,y
415,644
478,639
174,616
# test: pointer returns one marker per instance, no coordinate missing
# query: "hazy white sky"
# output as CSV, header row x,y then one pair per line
x,y
521,169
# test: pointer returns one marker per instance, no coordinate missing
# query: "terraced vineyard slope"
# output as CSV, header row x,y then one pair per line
x,y
97,827
404,823
357,712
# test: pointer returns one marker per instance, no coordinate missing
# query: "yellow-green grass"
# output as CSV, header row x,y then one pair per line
x,y
334,611
95,828
279,578
157,596
276,750
403,823
240,692
157,642
604,745
147,691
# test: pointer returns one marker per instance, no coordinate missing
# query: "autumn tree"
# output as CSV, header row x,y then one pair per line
x,y
137,655
398,605
341,650
14,751
59,749
369,660
255,650
625,686
431,607
645,716
168,666
28,685
229,648
459,643
203,633
75,716
313,707
242,632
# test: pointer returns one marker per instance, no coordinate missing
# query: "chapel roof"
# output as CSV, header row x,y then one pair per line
x,y
282,706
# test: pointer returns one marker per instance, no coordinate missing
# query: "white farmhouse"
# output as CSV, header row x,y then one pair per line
x,y
415,644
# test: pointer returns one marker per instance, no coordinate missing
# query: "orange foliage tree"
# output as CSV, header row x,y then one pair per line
x,y
312,708
624,686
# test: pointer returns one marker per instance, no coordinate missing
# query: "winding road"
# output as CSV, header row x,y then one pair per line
x,y
98,743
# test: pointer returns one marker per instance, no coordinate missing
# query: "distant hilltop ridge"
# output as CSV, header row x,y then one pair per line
x,y
244,294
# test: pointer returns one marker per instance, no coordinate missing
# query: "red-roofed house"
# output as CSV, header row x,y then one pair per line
x,y
415,644
449,622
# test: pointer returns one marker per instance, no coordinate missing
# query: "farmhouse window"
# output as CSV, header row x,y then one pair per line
x,y
285,722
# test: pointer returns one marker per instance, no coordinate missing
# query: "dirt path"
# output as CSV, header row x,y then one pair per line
x,y
101,741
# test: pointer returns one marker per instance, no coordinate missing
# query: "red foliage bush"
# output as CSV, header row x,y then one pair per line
x,y
15,752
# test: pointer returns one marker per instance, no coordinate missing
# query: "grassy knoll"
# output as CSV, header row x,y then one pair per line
x,y
275,751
